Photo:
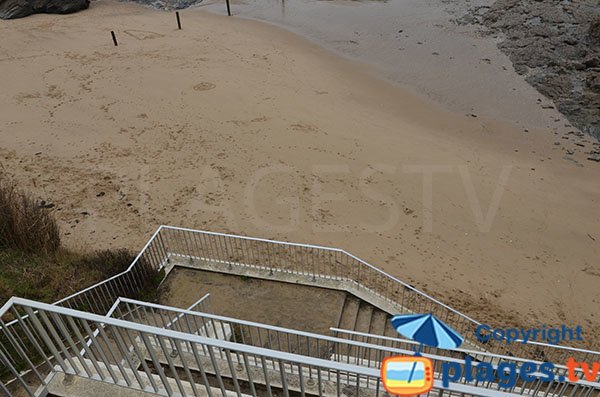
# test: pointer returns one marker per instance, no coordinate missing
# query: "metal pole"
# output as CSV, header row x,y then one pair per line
x,y
228,8
112,33
178,20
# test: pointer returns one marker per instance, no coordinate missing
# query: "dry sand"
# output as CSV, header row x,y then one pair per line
x,y
183,128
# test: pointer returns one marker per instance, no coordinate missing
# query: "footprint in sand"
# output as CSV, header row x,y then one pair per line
x,y
205,86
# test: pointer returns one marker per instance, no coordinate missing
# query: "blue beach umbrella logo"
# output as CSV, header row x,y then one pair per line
x,y
427,330
413,375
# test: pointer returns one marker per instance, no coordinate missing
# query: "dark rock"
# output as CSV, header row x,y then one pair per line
x,y
594,33
556,47
594,83
592,63
520,68
11,9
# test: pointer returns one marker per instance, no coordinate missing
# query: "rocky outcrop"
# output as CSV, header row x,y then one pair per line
x,y
10,9
169,4
556,46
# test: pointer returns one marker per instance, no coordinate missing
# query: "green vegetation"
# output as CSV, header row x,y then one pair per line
x,y
50,277
34,265
149,291
25,225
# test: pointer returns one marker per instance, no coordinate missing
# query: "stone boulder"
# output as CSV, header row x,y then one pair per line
x,y
555,45
10,9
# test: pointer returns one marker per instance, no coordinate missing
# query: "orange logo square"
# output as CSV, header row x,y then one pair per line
x,y
407,375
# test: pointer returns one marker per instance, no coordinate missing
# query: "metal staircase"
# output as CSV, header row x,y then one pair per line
x,y
100,341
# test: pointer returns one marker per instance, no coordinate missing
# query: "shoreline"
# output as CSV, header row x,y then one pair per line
x,y
431,56
175,134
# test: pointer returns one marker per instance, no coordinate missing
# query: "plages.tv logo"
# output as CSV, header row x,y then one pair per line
x,y
407,376
413,375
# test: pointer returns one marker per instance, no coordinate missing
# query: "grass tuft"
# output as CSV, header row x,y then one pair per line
x,y
48,278
25,224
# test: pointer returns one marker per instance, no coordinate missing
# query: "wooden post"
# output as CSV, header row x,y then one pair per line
x,y
178,20
112,33
228,8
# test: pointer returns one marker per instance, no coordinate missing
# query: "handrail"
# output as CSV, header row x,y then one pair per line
x,y
179,337
465,351
168,242
326,249
186,337
103,282
131,266
361,347
204,300
381,273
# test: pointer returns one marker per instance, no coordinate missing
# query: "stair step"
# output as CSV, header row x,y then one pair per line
x,y
363,317
63,385
257,373
390,330
349,312
379,322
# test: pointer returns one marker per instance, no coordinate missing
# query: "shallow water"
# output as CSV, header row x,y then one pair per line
x,y
416,44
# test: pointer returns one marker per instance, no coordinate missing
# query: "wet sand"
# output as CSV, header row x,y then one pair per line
x,y
238,126
417,45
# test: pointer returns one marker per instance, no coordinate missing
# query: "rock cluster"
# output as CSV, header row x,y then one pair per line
x,y
10,9
169,4
555,44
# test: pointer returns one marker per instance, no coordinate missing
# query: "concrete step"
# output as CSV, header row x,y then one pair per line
x,y
363,317
66,385
390,330
349,312
256,373
379,322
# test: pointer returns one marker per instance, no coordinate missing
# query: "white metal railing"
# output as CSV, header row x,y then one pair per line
x,y
352,351
319,263
304,259
115,357
332,263
477,356
99,297
202,305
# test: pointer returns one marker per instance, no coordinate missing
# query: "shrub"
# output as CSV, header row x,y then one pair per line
x,y
25,224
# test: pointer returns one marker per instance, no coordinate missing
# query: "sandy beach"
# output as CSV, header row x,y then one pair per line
x,y
238,126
